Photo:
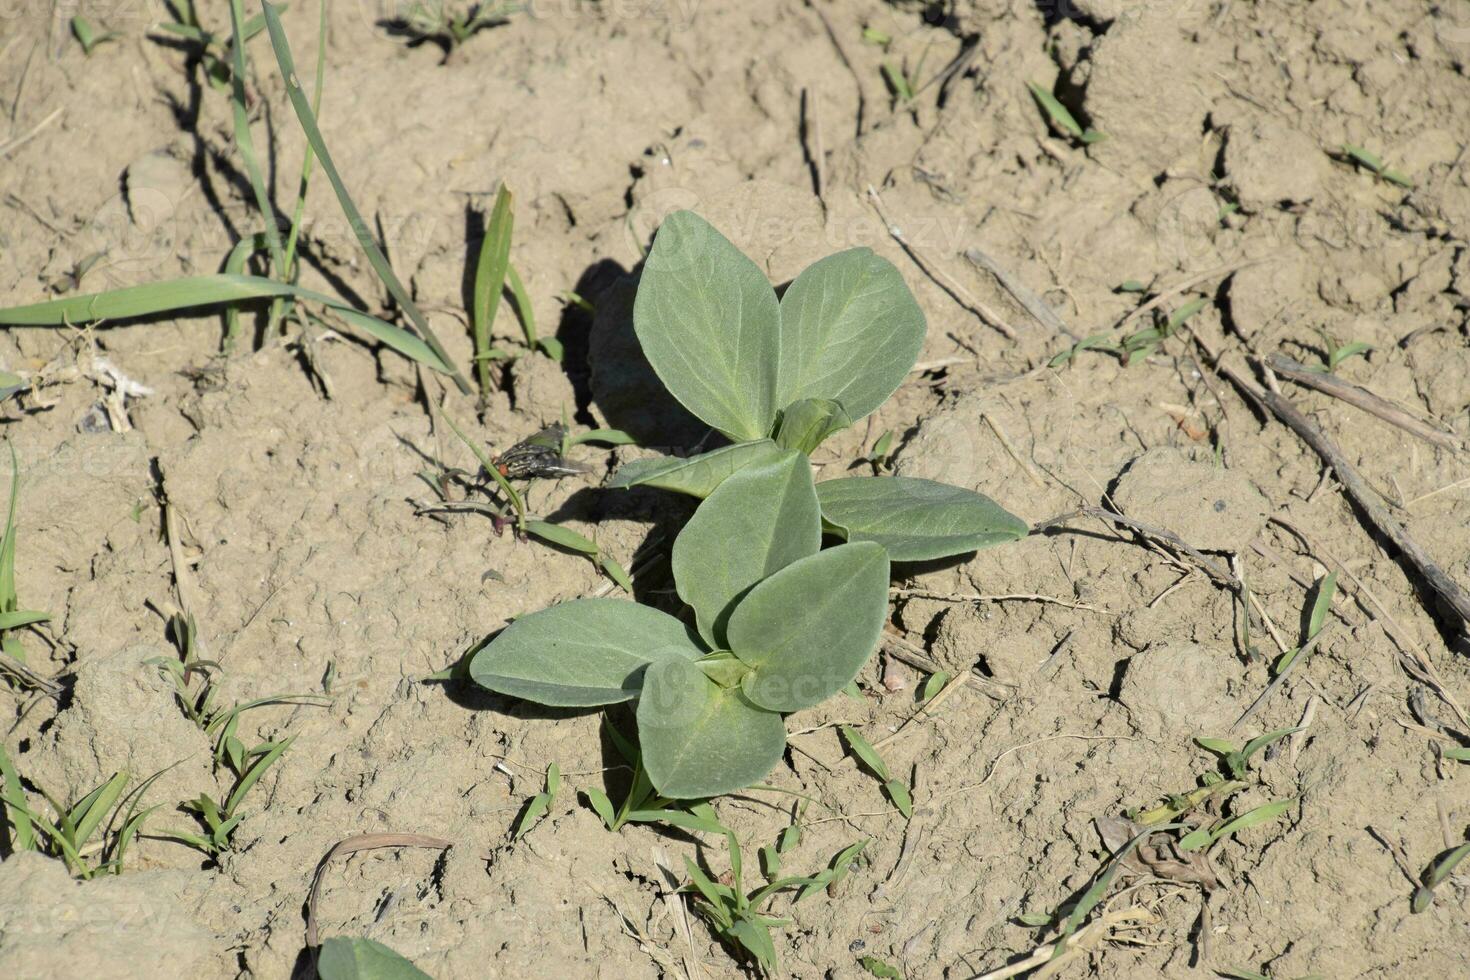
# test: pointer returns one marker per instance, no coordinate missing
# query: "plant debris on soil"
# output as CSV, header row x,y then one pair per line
x,y
1196,278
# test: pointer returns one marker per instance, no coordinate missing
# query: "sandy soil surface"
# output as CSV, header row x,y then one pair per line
x,y
1095,656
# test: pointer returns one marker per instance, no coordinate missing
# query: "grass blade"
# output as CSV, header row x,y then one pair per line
x,y
98,806
490,273
246,142
376,258
252,776
15,805
562,536
494,471
199,291
865,752
308,159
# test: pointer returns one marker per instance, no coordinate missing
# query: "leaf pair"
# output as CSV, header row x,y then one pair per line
x,y
847,330
913,519
781,626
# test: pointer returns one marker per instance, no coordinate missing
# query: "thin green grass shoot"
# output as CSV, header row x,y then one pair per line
x,y
108,812
1374,164
538,805
13,618
490,271
895,789
304,114
1437,874
88,36
1061,117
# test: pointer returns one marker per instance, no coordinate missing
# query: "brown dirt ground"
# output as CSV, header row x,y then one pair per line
x,y
298,510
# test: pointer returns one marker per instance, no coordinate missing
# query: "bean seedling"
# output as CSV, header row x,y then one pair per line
x,y
779,624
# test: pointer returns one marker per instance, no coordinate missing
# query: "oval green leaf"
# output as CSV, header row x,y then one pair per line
x,y
700,739
342,958
710,326
756,523
850,331
808,629
695,475
916,520
581,653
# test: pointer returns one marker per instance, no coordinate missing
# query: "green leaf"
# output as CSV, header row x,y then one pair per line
x,y
1339,354
581,653
806,424
212,290
1261,741
715,893
880,969
916,520
563,537
22,617
490,272
898,792
342,958
1218,745
699,475
836,870
808,629
934,685
535,810
272,752
1055,111
710,325
96,806
14,799
1195,839
601,805
865,752
1251,818
850,330
1322,604
700,739
756,523
1177,318
756,939
616,572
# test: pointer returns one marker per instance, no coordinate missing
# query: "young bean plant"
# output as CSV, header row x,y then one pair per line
x,y
779,623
